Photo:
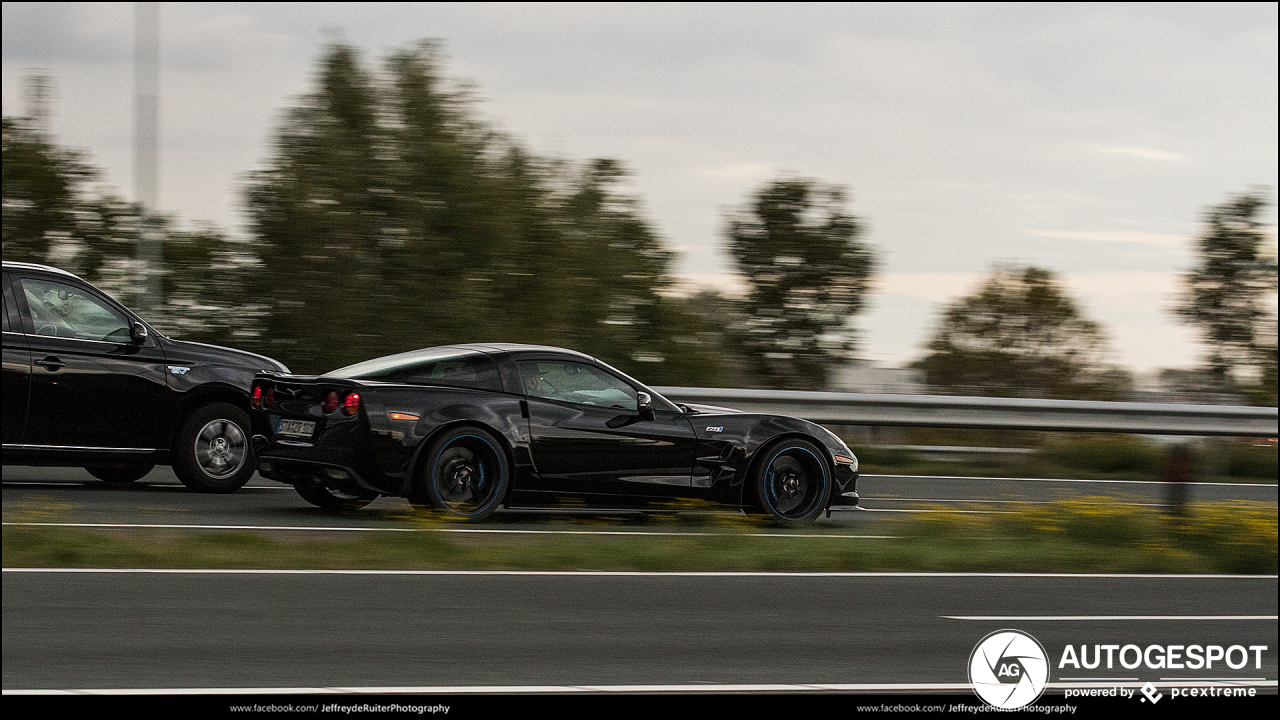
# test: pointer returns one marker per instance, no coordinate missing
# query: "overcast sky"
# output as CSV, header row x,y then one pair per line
x,y
1086,139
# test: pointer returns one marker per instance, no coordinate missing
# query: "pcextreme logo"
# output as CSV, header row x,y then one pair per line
x,y
1009,669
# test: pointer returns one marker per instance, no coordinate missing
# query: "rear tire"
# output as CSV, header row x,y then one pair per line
x,y
212,453
120,475
792,482
465,475
325,497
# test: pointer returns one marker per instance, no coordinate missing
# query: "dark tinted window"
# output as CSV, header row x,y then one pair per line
x,y
576,383
469,370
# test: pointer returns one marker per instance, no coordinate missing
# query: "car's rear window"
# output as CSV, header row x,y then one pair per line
x,y
448,368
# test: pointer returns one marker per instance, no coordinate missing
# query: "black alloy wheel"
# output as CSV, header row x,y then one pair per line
x,y
792,482
120,475
465,475
321,495
212,453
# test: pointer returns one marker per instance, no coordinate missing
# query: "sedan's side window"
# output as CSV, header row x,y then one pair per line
x,y
576,383
61,310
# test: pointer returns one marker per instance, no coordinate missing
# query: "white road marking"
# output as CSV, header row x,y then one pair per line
x,y
984,501
941,510
626,573
629,689
497,531
517,689
1087,618
1065,480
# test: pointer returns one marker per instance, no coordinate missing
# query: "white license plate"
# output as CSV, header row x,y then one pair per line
x,y
295,428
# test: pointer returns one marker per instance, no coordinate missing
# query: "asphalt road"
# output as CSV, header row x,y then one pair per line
x,y
379,632
94,630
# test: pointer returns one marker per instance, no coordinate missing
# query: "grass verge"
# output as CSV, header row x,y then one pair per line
x,y
1085,535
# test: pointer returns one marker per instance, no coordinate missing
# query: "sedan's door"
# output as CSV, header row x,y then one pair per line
x,y
589,436
92,387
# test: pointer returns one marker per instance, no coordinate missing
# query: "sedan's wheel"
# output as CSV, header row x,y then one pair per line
x,y
326,497
792,482
465,475
120,475
212,453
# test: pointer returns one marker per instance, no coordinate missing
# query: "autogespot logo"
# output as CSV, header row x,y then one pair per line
x,y
1009,669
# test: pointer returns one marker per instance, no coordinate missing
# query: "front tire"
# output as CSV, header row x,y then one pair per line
x,y
212,453
791,482
325,497
120,475
465,475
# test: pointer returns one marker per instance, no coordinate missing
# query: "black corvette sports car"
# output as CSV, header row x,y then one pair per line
x,y
469,428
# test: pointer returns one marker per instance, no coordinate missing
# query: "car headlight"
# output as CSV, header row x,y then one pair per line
x,y
846,456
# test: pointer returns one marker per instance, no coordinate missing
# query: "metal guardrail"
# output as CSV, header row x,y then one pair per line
x,y
997,413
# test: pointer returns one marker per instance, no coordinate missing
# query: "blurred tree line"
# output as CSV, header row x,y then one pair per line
x,y
1021,335
1225,297
54,214
388,217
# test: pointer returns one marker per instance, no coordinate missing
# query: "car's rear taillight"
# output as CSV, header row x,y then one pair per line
x,y
351,405
263,396
330,402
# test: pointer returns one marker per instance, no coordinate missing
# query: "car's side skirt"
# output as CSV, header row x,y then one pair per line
x,y
75,455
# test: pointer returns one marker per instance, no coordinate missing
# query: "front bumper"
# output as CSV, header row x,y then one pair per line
x,y
845,496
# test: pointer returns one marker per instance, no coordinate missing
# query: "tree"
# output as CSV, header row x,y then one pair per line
x,y
807,271
53,216
1223,295
43,186
1020,334
390,218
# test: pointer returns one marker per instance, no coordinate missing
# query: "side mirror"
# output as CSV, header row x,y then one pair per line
x,y
644,403
139,334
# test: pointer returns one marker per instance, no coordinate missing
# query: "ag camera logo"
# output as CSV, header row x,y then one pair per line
x,y
1008,669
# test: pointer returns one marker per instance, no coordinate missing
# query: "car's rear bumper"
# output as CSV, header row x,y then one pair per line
x,y
337,468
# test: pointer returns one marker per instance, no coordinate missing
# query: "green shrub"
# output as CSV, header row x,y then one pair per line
x,y
1106,454
1252,461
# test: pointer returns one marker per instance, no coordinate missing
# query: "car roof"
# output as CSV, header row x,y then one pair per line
x,y
520,349
15,265
442,351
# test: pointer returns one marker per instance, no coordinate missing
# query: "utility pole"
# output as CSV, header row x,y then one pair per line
x,y
146,88
39,90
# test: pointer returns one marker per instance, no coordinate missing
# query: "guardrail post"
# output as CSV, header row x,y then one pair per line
x,y
1177,473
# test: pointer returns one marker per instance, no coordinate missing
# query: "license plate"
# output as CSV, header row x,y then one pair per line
x,y
295,428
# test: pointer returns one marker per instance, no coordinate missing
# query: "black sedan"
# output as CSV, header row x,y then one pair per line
x,y
469,428
88,383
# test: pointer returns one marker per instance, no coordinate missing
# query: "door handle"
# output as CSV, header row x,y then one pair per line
x,y
51,363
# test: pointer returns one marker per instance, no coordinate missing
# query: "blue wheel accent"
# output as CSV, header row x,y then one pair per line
x,y
793,483
467,474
